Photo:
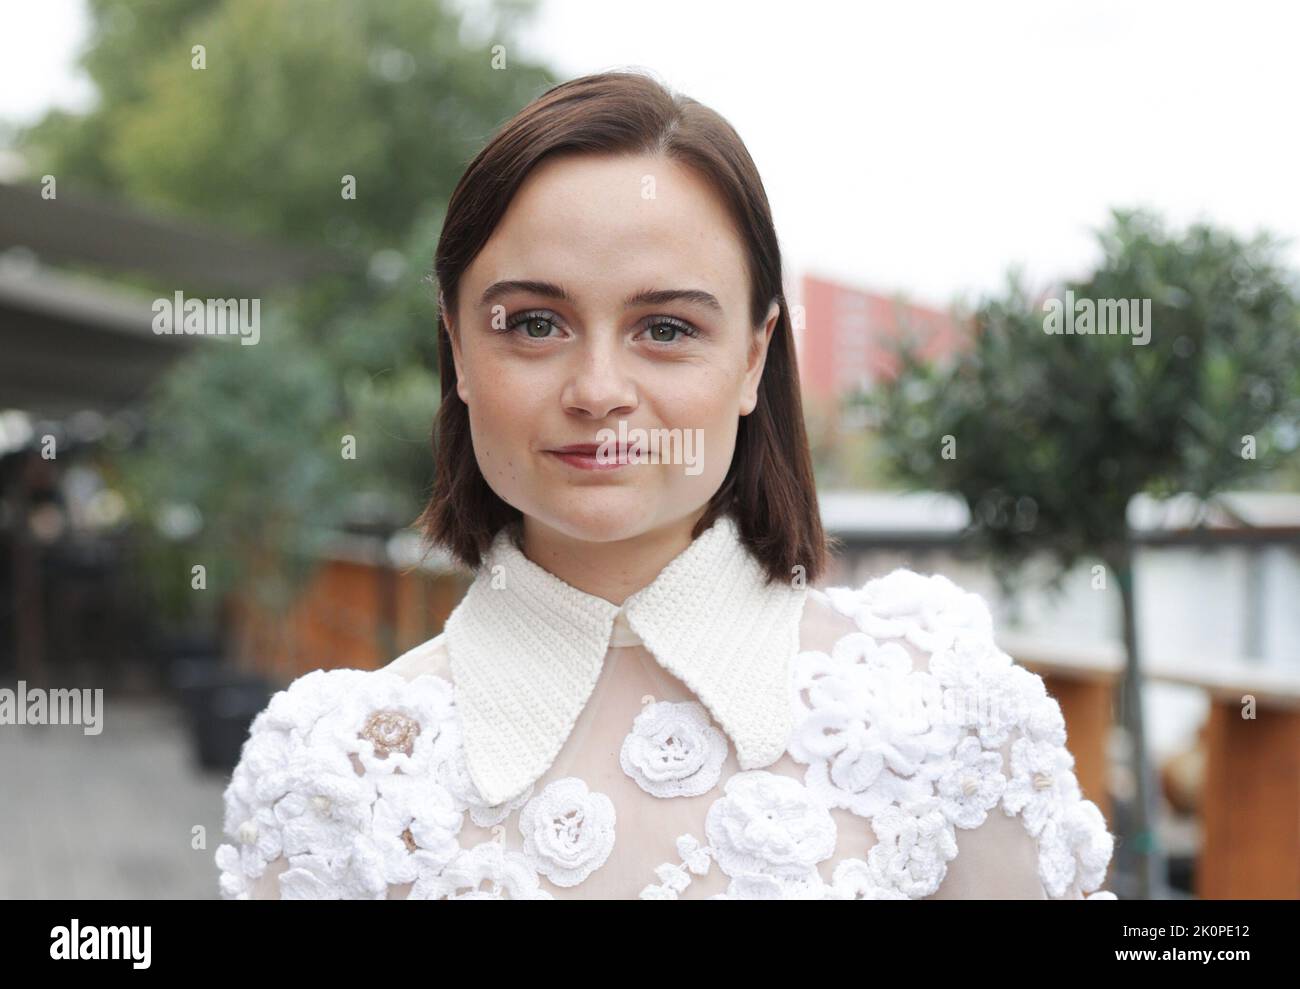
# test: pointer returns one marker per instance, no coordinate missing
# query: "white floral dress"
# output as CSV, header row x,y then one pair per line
x,y
916,760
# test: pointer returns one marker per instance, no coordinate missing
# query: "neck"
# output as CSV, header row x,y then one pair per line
x,y
610,570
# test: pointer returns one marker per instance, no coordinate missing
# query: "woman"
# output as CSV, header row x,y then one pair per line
x,y
640,694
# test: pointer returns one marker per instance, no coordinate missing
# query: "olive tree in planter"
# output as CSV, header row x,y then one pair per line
x,y
1048,434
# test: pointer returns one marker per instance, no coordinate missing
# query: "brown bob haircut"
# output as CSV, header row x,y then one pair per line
x,y
769,486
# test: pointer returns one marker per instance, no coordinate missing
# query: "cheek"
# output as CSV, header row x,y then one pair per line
x,y
709,402
704,388
503,393
502,410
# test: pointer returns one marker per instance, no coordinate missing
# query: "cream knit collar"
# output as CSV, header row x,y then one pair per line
x,y
526,650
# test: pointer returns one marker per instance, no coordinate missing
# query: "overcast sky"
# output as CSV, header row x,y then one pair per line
x,y
924,147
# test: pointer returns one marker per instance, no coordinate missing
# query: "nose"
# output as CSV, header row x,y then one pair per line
x,y
599,385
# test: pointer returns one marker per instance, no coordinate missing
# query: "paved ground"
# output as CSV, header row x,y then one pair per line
x,y
107,816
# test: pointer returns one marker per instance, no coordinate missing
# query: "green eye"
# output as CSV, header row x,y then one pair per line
x,y
536,323
667,331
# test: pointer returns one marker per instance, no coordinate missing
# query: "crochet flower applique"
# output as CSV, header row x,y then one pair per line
x,y
912,723
338,778
674,750
920,752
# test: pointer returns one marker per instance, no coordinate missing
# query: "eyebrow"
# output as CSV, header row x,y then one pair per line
x,y
646,297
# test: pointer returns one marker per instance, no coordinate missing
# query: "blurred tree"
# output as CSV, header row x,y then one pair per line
x,y
293,96
845,455
295,101
1047,437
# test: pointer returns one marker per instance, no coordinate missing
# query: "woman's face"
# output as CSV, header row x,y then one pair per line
x,y
651,333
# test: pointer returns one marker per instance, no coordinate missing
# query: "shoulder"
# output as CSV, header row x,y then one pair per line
x,y
905,705
316,706
322,750
927,609
926,617
415,679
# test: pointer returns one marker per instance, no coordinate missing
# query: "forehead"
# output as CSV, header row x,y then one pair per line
x,y
604,226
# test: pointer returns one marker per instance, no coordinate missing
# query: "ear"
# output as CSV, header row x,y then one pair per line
x,y
757,360
461,388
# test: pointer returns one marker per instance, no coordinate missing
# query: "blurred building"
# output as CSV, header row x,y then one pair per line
x,y
846,336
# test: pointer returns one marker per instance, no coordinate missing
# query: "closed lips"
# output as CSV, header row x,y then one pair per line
x,y
613,454
590,449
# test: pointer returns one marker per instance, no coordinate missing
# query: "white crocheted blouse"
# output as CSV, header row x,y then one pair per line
x,y
715,736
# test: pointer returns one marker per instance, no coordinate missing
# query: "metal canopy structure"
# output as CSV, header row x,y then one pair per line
x,y
65,347
80,230
69,342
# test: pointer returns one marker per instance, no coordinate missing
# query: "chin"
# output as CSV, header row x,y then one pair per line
x,y
600,517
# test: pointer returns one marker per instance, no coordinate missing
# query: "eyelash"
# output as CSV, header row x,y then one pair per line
x,y
519,319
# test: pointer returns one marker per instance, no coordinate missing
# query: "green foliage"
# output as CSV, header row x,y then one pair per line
x,y
1051,435
255,463
294,96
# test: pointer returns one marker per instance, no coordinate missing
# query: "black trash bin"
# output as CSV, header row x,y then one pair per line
x,y
226,705
192,680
